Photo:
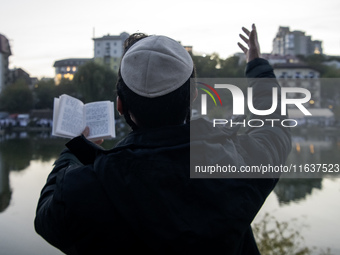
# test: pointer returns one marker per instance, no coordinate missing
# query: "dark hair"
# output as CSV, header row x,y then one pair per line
x,y
170,109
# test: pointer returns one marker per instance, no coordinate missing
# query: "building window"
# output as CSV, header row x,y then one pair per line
x,y
283,75
68,76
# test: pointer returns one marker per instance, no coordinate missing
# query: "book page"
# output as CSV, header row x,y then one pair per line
x,y
99,118
55,114
69,122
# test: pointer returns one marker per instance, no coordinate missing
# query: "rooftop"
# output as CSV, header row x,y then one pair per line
x,y
122,36
4,45
293,66
71,62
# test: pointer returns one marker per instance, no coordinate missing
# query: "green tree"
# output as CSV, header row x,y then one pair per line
x,y
66,86
231,67
95,82
207,65
44,92
316,61
16,98
212,66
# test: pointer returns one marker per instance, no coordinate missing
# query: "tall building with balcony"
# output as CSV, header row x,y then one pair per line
x,y
108,50
294,43
5,52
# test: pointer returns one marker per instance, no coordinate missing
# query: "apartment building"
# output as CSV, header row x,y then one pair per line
x,y
294,43
5,52
108,50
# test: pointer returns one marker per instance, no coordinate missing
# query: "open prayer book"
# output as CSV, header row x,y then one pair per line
x,y
71,116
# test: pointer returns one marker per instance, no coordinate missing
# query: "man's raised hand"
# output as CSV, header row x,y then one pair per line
x,y
253,49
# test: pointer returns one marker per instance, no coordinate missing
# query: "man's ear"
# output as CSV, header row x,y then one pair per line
x,y
120,106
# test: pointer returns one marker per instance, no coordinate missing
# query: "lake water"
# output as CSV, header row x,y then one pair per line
x,y
299,214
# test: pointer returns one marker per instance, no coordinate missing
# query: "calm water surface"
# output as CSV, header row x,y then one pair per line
x,y
310,208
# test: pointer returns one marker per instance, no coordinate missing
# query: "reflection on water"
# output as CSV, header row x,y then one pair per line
x,y
289,190
18,151
315,146
312,147
5,191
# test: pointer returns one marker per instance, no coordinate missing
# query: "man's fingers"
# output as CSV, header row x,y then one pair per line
x,y
86,131
253,41
244,49
252,38
246,31
99,142
244,39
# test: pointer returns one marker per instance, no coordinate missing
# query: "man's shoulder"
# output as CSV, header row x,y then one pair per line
x,y
81,189
78,177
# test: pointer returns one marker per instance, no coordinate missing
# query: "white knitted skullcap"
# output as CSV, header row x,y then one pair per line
x,y
156,66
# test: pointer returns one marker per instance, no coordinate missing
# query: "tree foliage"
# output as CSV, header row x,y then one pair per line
x,y
17,98
316,61
95,82
212,66
66,86
275,237
46,90
44,93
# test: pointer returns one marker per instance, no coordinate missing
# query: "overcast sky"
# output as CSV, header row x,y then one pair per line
x,y
43,31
